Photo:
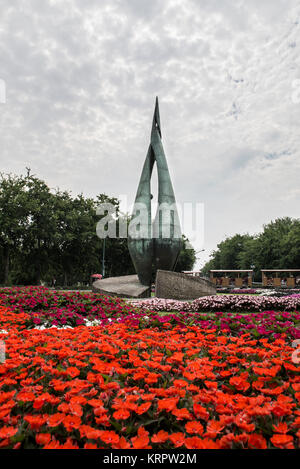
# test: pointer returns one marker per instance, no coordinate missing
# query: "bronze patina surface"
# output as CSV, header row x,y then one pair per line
x,y
158,243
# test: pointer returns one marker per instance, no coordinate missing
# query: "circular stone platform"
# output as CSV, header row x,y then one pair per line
x,y
127,286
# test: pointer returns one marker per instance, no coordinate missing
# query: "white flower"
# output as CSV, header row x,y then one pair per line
x,y
94,322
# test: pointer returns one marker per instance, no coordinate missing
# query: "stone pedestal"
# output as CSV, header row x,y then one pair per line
x,y
127,286
179,286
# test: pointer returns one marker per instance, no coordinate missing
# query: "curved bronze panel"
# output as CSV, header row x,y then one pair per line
x,y
159,244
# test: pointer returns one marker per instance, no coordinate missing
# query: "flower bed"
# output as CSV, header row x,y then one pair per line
x,y
52,308
221,303
132,386
285,325
46,309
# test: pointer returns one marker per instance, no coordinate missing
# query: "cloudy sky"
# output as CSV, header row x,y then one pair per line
x,y
81,78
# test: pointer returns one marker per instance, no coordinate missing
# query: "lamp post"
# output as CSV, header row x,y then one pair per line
x,y
252,266
103,258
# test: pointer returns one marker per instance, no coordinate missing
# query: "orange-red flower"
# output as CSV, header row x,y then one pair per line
x,y
281,427
160,437
193,442
167,404
72,422
282,441
7,432
110,437
56,419
141,409
121,414
201,412
194,427
177,439
256,441
239,383
43,438
35,421
140,442
182,414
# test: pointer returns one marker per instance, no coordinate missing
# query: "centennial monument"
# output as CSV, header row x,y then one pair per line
x,y
154,246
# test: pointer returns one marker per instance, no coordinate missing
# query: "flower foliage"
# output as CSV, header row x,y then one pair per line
x,y
129,385
270,324
55,308
223,303
46,308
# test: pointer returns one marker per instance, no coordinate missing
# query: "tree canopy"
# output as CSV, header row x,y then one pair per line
x,y
49,234
276,247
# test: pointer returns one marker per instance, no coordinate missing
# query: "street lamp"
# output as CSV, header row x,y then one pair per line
x,y
252,266
103,258
197,252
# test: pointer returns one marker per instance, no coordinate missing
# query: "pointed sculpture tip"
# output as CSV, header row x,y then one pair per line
x,y
156,118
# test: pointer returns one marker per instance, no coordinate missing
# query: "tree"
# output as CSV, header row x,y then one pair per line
x,y
270,243
48,234
14,213
187,256
290,247
276,247
227,255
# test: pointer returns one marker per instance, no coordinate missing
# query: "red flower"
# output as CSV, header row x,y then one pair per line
x,y
140,442
281,428
193,443
256,441
143,408
160,437
90,446
90,432
201,412
72,371
167,404
8,432
56,419
182,414
282,441
35,421
177,439
194,427
121,414
239,383
110,437
72,422
122,444
43,438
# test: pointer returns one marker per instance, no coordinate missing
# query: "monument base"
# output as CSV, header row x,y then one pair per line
x,y
126,286
179,286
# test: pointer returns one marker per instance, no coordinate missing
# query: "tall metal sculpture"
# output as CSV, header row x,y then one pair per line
x,y
154,245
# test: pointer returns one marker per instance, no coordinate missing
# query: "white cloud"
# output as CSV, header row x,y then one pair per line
x,y
81,78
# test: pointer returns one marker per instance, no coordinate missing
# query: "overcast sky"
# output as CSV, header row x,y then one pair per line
x,y
81,79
